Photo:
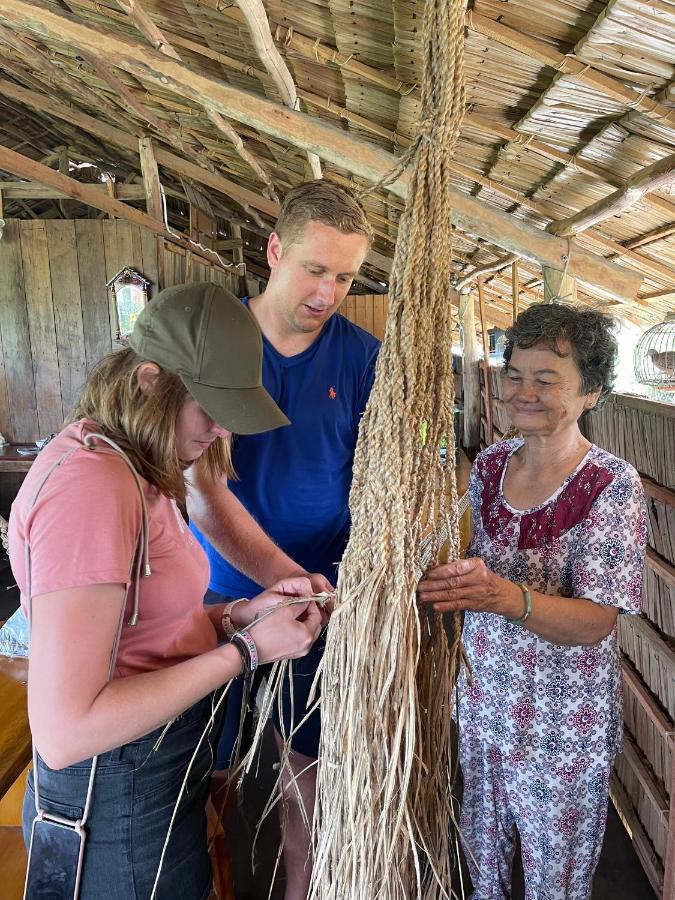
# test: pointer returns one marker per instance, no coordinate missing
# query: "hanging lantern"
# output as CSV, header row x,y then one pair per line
x,y
654,358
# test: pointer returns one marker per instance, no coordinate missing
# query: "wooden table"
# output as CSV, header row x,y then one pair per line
x,y
13,469
15,746
12,461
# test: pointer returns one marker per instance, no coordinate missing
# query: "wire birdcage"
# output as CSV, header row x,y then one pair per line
x,y
654,358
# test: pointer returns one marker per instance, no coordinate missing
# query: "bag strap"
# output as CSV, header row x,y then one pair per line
x,y
139,567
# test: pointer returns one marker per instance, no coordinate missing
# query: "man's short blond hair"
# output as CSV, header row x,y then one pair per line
x,y
321,201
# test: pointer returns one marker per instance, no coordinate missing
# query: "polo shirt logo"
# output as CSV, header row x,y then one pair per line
x,y
332,394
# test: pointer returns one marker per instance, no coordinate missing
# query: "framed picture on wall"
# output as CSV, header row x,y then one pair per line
x,y
130,292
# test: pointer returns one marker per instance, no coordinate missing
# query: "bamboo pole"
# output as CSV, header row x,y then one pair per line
x,y
489,437
470,379
515,288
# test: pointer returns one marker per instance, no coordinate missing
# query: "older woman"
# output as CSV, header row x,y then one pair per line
x,y
556,553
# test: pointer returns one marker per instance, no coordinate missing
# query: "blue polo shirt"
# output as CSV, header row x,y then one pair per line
x,y
295,480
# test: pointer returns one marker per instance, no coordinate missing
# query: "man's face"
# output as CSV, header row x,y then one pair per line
x,y
311,276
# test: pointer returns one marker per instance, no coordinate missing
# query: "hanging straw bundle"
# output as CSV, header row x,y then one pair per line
x,y
384,807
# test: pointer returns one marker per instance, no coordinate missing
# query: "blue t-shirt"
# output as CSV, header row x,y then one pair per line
x,y
295,480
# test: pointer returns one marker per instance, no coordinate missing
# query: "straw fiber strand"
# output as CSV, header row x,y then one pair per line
x,y
384,804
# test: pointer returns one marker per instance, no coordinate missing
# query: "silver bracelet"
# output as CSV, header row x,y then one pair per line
x,y
245,644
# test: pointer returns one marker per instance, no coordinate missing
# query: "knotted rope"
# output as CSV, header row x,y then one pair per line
x,y
384,805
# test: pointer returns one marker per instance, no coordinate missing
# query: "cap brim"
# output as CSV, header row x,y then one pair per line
x,y
240,410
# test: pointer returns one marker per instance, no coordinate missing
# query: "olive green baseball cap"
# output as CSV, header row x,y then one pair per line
x,y
207,337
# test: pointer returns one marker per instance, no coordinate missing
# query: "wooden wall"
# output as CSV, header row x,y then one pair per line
x,y
367,310
56,319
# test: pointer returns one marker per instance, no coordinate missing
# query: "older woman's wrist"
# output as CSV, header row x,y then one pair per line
x,y
512,606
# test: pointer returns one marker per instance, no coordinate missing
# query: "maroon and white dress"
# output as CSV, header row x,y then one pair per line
x,y
540,724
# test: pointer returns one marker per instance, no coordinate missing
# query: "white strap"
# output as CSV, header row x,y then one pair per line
x,y
140,566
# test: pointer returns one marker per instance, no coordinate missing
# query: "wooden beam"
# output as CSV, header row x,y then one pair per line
x,y
256,18
333,144
656,234
120,138
250,158
470,377
529,142
13,162
463,286
151,183
147,27
547,54
652,178
25,190
558,286
315,51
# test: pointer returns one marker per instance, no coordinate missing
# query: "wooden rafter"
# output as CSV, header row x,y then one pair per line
x,y
659,175
119,138
16,164
37,60
147,27
250,158
332,143
259,28
546,54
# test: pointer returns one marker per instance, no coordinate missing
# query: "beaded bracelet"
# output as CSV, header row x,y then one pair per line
x,y
527,608
245,644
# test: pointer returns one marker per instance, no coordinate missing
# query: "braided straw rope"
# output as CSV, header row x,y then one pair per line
x,y
384,807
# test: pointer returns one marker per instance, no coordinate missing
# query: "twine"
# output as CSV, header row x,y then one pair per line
x,y
383,809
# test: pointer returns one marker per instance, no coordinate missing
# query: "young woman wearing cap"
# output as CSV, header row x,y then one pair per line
x,y
98,507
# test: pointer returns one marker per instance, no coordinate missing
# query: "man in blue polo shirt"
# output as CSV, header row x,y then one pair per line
x,y
288,511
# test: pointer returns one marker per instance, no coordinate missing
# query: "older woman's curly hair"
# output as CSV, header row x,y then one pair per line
x,y
587,331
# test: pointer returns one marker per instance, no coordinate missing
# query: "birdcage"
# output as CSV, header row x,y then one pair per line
x,y
654,358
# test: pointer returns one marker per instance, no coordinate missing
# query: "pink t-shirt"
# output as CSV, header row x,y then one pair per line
x,y
83,530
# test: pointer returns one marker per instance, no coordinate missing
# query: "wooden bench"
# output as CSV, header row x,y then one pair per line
x,y
15,756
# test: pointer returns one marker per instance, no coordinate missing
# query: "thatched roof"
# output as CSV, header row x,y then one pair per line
x,y
567,102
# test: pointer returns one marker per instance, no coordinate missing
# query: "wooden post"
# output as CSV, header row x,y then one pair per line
x,y
489,437
515,288
669,866
558,285
238,256
151,182
65,206
470,377
153,198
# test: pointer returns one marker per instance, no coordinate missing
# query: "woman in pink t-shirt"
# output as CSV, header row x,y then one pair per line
x,y
112,581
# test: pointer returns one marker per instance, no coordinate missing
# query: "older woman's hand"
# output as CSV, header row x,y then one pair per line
x,y
469,584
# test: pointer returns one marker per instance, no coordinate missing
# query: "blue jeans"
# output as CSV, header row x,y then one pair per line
x,y
135,790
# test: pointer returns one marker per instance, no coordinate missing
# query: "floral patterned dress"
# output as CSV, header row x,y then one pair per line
x,y
540,724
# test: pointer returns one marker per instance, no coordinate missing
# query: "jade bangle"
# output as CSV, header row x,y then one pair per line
x,y
527,605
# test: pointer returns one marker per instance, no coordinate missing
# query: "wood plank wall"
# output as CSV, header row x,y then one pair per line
x,y
367,310
56,316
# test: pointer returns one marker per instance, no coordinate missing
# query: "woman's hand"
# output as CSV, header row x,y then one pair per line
x,y
469,584
289,631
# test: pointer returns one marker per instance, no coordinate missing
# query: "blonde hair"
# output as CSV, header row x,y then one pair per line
x,y
143,424
321,201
